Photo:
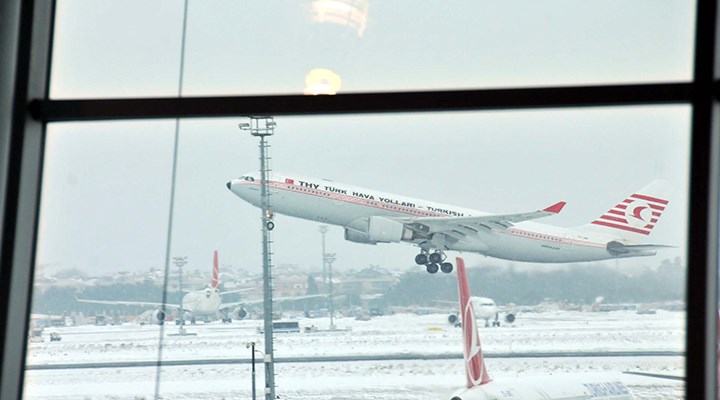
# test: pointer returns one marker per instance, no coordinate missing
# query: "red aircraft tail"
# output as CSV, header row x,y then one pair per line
x,y
474,363
216,271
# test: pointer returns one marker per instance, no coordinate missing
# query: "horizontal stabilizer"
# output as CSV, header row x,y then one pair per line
x,y
618,249
651,375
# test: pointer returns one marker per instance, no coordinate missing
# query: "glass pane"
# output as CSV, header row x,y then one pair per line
x,y
103,231
111,49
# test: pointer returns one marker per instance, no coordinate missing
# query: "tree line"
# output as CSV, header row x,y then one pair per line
x,y
576,284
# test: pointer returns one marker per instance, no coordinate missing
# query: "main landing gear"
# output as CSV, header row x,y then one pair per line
x,y
433,261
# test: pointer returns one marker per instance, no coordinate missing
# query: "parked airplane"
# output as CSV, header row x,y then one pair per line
x,y
481,387
372,217
206,303
486,309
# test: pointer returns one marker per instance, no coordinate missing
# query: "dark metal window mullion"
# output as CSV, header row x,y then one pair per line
x,y
481,99
702,276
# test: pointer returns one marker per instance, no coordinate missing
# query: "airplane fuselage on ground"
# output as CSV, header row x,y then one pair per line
x,y
205,303
372,217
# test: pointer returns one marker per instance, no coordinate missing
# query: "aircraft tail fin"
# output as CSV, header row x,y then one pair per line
x,y
476,372
634,217
216,271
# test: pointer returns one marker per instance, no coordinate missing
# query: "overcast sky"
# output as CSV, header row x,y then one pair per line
x,y
106,184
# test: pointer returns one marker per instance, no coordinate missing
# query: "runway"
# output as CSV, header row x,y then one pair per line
x,y
375,357
403,356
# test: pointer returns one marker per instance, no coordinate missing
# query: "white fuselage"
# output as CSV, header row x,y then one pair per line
x,y
485,308
204,302
344,205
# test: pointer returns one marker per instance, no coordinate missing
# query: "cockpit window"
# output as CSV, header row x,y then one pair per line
x,y
247,178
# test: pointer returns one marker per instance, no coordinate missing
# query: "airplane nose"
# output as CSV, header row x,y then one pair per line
x,y
229,185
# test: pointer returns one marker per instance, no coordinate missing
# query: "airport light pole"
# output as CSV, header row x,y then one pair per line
x,y
180,262
262,127
323,229
329,258
252,345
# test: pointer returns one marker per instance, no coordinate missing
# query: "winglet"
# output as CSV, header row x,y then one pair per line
x,y
475,370
216,271
555,208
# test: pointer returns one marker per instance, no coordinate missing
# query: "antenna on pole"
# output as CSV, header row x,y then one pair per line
x,y
262,127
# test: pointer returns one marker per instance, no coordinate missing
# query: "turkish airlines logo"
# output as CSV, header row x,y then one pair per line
x,y
638,213
290,181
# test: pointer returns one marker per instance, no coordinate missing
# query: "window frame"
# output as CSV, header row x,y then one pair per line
x,y
26,29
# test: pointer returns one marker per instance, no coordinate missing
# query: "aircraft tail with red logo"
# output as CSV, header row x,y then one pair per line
x,y
474,362
633,218
216,271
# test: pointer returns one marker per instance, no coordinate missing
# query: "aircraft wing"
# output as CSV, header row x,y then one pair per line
x,y
243,290
130,303
275,300
458,227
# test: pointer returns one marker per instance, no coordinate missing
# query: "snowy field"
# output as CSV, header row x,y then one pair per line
x,y
401,334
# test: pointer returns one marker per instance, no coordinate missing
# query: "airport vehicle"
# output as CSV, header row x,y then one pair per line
x,y
206,303
555,387
283,327
371,217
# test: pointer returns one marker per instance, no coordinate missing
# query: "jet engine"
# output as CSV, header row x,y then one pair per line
x,y
387,230
358,237
239,313
378,230
158,316
509,318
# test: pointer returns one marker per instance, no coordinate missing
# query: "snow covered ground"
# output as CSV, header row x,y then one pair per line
x,y
396,334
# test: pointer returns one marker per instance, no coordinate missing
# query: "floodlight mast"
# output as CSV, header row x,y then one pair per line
x,y
262,127
329,258
180,262
323,229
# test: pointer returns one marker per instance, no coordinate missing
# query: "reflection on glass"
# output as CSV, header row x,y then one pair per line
x,y
322,81
111,49
103,225
350,13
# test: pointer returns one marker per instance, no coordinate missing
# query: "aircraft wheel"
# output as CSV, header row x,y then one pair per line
x,y
432,268
270,225
436,258
446,267
421,259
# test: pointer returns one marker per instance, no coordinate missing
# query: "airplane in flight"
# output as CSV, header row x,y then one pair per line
x,y
480,386
206,303
371,217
